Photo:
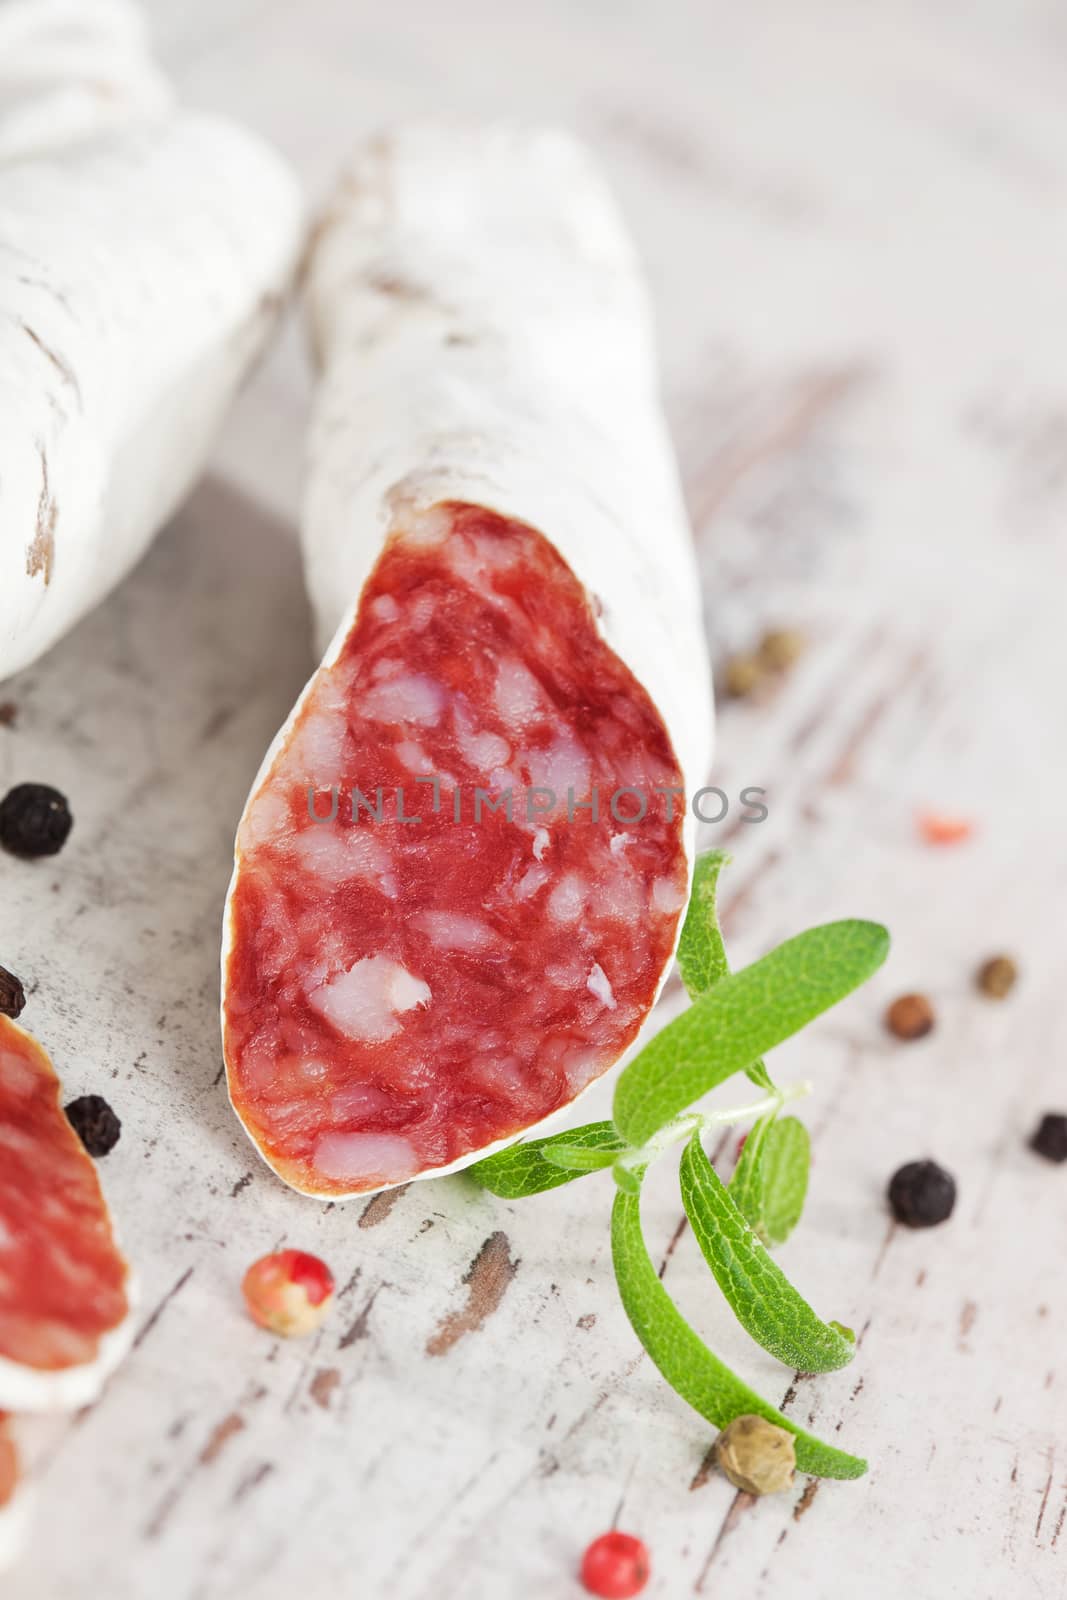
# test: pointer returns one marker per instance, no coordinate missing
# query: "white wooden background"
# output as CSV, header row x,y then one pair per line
x,y
854,221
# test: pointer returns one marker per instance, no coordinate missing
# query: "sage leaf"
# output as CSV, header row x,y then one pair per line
x,y
757,1073
741,1018
786,1162
683,1358
770,1182
701,952
760,1295
523,1169
746,1182
627,1179
573,1158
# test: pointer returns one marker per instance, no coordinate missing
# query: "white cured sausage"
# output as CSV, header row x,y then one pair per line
x,y
498,556
144,252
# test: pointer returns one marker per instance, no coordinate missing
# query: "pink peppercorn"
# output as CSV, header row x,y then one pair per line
x,y
289,1292
615,1566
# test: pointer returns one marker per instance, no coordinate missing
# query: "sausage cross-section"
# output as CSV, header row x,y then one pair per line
x,y
460,873
65,1290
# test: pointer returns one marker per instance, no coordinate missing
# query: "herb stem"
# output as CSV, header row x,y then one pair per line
x,y
637,1158
758,1108
683,1127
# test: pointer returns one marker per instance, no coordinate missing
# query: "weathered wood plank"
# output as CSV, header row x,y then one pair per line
x,y
852,221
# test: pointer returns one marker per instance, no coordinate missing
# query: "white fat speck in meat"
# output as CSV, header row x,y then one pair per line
x,y
467,560
667,897
429,526
262,1068
18,1075
563,766
358,1156
567,900
598,985
338,854
267,819
366,1001
502,778
581,1067
319,747
517,694
484,750
533,878
293,1116
413,756
496,1072
313,1070
621,898
17,1142
421,612
358,1100
451,930
413,698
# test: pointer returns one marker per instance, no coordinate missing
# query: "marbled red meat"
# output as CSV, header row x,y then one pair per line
x,y
400,993
63,1283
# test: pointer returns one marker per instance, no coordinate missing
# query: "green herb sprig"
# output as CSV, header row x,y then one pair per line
x,y
733,1021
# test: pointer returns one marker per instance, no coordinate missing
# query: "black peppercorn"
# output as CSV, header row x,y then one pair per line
x,y
922,1194
1050,1137
34,820
12,994
95,1123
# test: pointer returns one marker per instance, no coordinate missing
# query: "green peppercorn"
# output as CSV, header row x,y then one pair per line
x,y
996,977
743,676
781,648
756,1455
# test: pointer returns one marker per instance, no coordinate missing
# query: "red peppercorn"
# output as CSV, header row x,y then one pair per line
x,y
289,1292
910,1017
615,1566
938,827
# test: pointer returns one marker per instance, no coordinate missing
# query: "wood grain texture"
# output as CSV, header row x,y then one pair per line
x,y
854,221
